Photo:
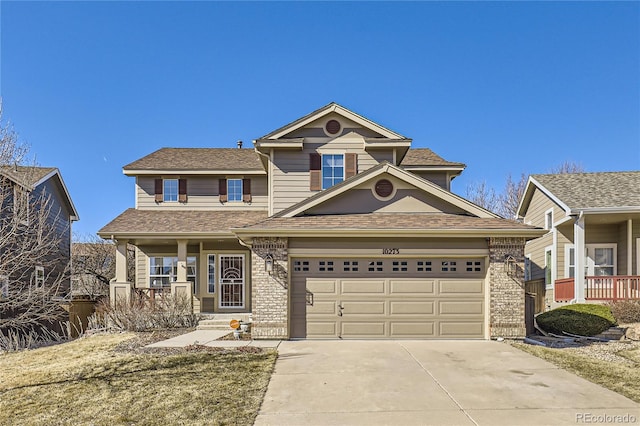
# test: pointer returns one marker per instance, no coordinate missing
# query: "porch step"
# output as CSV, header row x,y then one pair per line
x,y
614,333
221,321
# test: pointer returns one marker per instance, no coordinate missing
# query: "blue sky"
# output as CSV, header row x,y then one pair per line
x,y
504,87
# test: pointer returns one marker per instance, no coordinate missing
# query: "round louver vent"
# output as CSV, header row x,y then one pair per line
x,y
332,127
384,188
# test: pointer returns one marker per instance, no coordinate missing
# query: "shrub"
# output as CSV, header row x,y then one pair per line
x,y
625,311
168,311
580,319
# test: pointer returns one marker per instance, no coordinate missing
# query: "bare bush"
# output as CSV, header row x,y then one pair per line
x,y
141,314
16,340
625,311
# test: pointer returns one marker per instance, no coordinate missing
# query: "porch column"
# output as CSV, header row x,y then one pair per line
x,y
181,274
579,253
121,261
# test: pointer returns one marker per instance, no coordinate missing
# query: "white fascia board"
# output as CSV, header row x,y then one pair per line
x,y
607,210
130,172
549,194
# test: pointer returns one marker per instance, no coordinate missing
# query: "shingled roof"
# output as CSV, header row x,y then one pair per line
x,y
145,222
198,159
425,157
594,190
25,175
390,221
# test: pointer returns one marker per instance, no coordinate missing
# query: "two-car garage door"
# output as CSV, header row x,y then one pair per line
x,y
383,298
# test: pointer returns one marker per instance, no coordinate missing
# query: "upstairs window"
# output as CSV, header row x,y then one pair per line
x,y
548,219
234,190
332,169
170,190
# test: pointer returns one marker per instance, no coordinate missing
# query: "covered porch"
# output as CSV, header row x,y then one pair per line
x,y
600,288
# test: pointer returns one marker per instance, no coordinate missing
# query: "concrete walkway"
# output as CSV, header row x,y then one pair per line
x,y
209,338
430,383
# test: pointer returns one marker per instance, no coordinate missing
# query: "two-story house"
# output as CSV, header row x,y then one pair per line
x,y
331,226
36,213
591,248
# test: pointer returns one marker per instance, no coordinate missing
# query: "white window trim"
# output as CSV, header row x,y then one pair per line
x,y
172,277
342,154
38,276
229,200
548,225
215,271
552,280
567,248
164,192
590,265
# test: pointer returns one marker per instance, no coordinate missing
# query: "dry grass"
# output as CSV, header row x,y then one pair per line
x,y
621,376
95,381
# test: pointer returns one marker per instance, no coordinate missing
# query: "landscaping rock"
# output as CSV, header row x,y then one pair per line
x,y
632,332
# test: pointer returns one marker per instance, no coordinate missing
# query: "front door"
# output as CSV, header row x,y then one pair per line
x,y
232,281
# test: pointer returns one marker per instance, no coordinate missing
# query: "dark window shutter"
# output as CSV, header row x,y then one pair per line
x,y
222,190
350,165
246,190
315,167
182,190
158,190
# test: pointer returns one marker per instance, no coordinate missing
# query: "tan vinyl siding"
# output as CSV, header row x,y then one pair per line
x,y
291,168
439,178
536,248
539,205
565,238
202,194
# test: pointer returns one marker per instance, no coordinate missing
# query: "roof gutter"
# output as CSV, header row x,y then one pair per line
x,y
606,210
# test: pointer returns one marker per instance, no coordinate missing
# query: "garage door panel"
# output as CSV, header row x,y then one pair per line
x,y
321,329
351,287
363,329
410,287
363,308
319,287
460,287
458,307
411,307
412,329
322,308
461,329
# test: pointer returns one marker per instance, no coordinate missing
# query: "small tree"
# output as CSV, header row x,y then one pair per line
x,y
34,272
93,265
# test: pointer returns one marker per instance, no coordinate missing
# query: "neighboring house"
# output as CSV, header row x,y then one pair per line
x,y
592,245
35,218
92,267
331,227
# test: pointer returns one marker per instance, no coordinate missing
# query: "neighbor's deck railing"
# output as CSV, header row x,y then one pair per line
x,y
605,287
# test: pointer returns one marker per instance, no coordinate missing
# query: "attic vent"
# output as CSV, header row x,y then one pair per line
x,y
384,188
332,127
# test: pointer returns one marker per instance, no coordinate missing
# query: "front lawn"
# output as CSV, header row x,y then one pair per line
x,y
613,365
108,379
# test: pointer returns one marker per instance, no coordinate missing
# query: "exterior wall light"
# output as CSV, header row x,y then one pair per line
x,y
268,264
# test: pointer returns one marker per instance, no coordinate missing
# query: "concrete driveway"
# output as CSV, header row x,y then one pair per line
x,y
430,383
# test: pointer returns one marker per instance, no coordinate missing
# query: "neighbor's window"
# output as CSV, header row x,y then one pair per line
x,y
332,169
548,265
170,189
39,276
234,189
163,270
21,204
548,219
4,286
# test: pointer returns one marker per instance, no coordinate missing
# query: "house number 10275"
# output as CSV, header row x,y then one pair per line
x,y
390,251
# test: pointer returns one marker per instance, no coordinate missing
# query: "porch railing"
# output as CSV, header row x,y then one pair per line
x,y
605,287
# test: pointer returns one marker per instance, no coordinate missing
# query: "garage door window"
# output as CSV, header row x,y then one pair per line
x,y
474,266
449,266
325,266
301,266
399,266
350,266
423,266
376,266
